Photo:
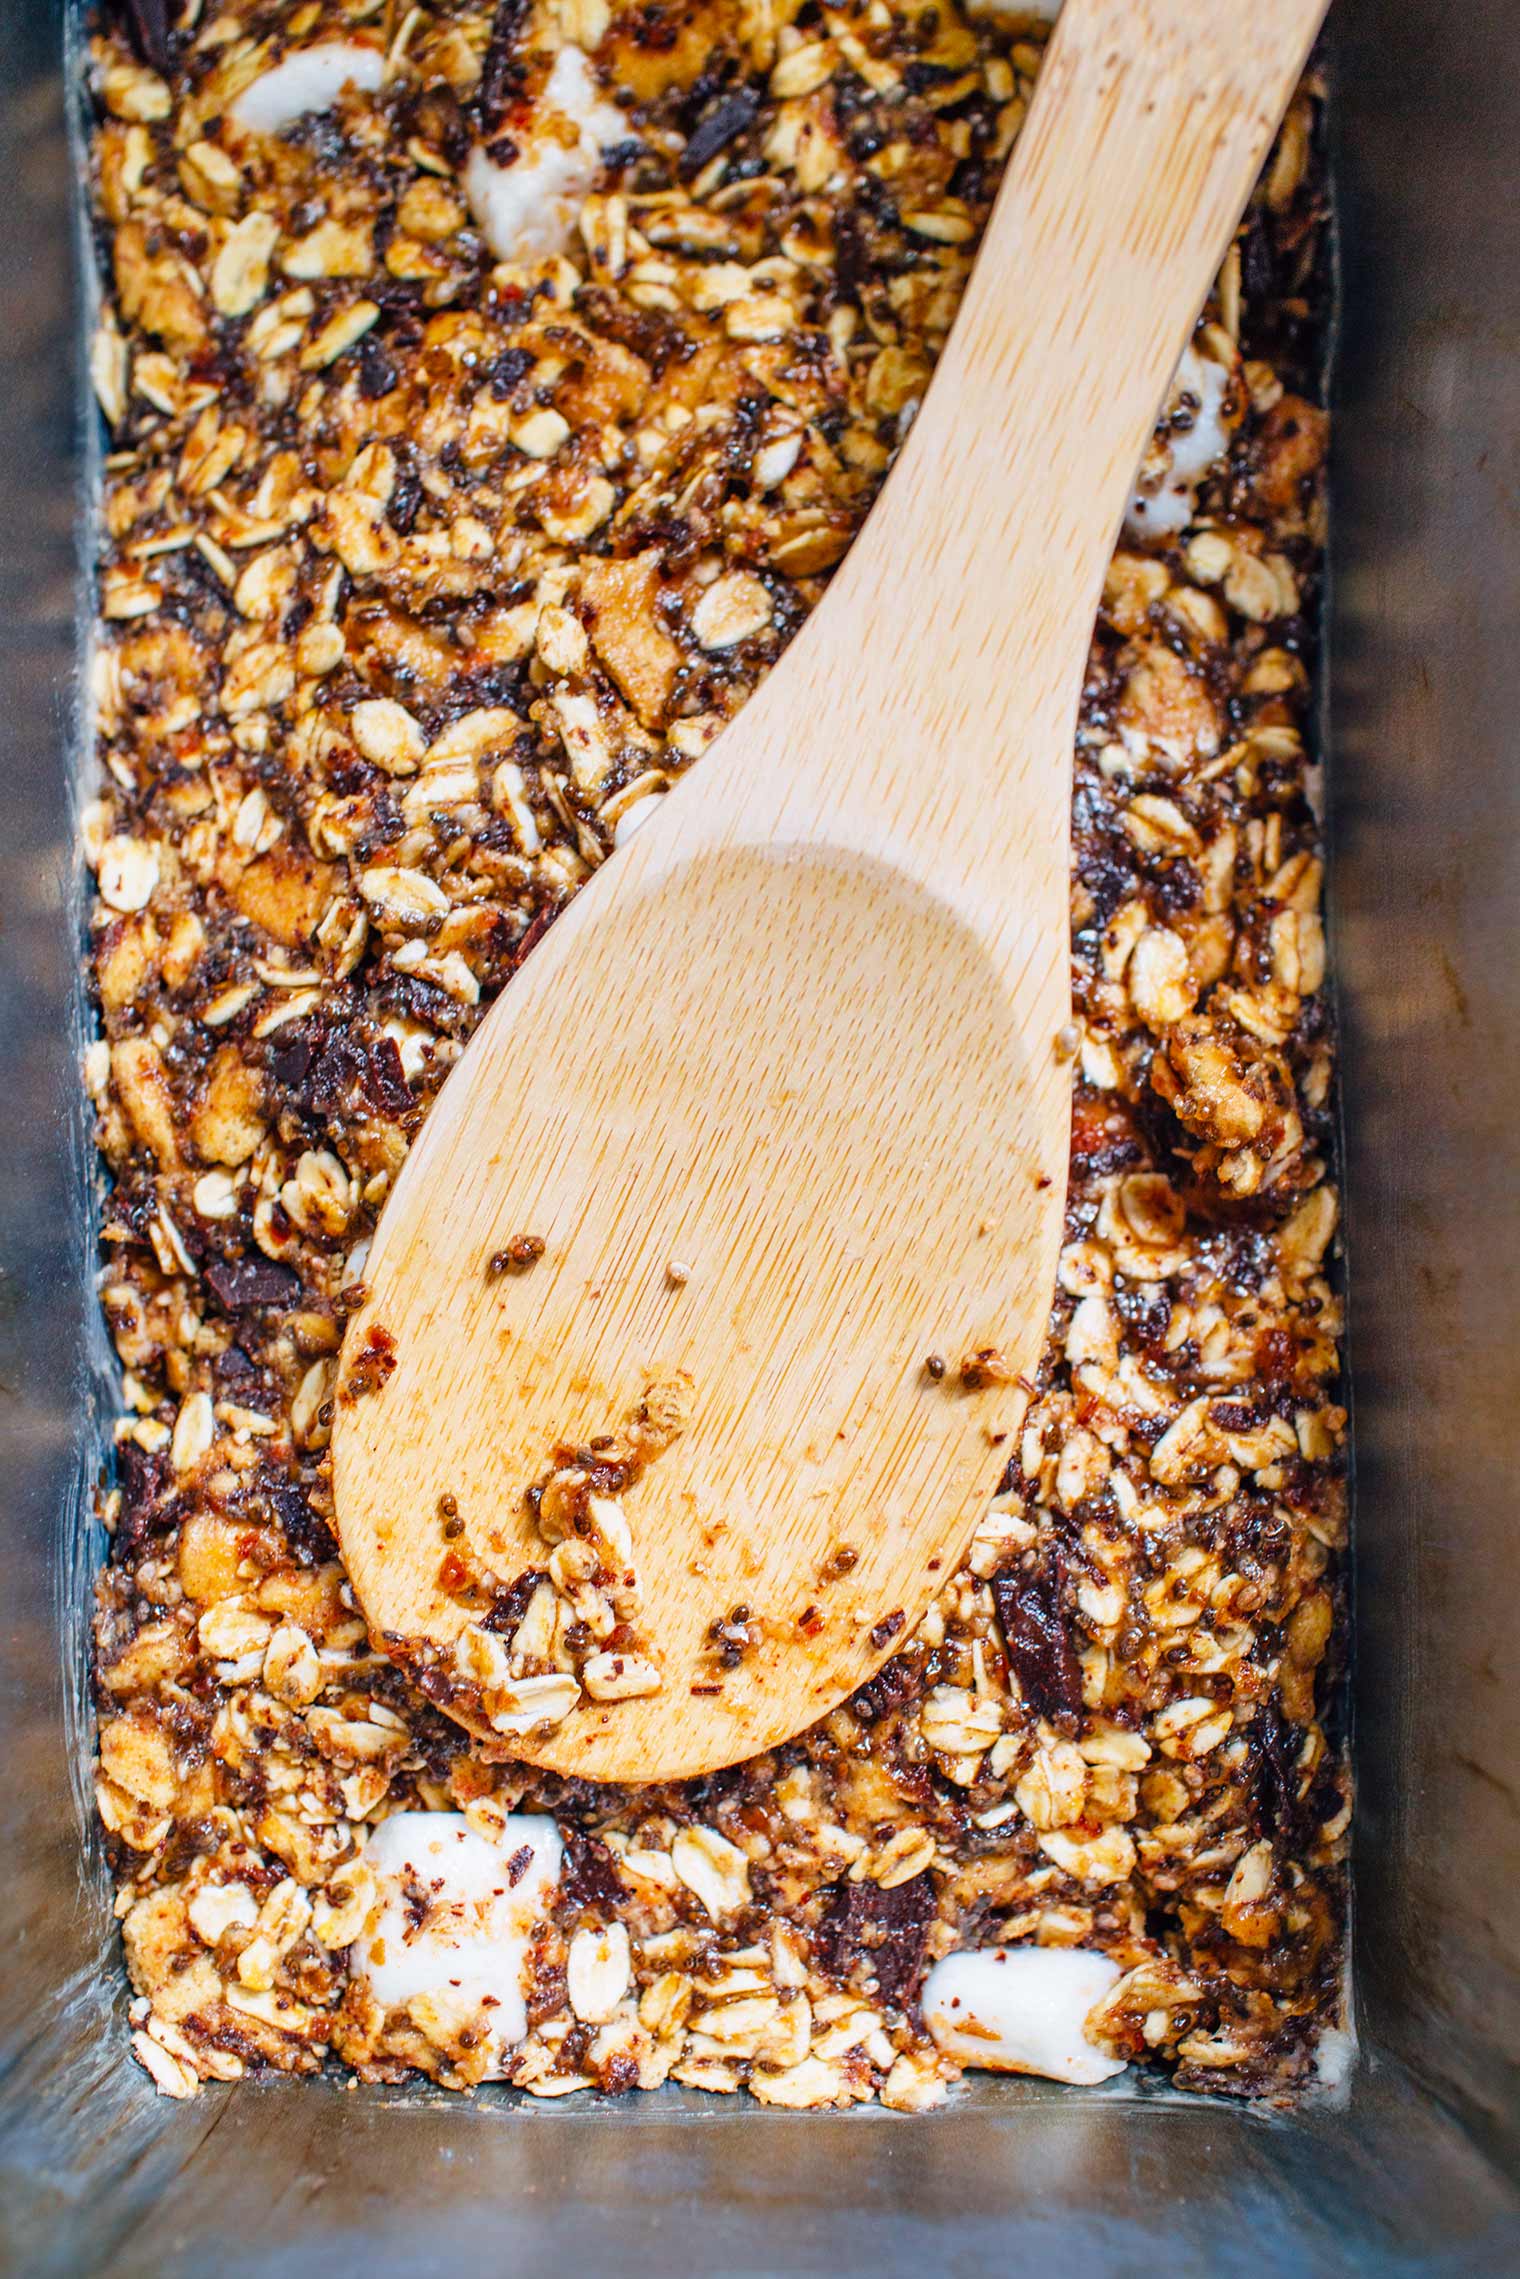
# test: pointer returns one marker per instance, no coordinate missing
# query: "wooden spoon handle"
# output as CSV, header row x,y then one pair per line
x,y
1148,127
1149,124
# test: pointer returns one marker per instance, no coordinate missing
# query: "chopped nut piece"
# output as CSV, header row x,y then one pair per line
x,y
628,635
733,609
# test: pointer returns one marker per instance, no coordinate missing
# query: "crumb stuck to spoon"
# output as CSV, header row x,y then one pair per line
x,y
521,1253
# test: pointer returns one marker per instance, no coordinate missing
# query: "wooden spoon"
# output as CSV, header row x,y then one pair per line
x,y
784,1094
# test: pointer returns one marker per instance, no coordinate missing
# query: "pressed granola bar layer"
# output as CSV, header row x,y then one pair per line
x,y
490,391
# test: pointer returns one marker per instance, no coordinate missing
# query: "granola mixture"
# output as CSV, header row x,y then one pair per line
x,y
490,391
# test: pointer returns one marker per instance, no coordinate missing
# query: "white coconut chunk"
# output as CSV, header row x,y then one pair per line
x,y
527,208
1022,2010
478,1900
1334,2056
1164,497
309,80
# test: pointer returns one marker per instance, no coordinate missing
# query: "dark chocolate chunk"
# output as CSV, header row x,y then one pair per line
x,y
406,498
510,1603
850,256
242,1284
141,1479
290,1060
1275,1746
590,1877
870,1933
235,1367
377,374
149,27
723,124
501,69
306,1531
385,1083
334,1076
331,1072
534,932
1042,1653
